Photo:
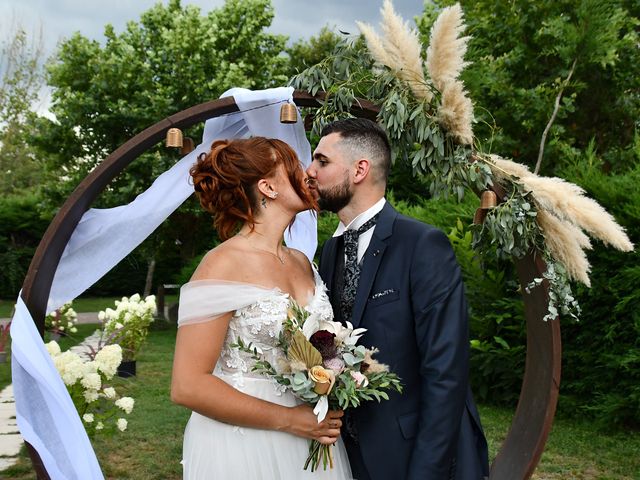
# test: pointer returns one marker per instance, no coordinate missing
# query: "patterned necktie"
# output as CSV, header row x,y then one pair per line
x,y
352,268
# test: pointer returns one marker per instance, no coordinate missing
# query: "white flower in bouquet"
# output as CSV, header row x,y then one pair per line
x,y
99,426
88,417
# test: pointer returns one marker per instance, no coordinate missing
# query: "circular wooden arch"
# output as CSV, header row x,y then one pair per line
x,y
532,422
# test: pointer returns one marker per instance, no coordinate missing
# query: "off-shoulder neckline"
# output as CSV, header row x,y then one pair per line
x,y
312,296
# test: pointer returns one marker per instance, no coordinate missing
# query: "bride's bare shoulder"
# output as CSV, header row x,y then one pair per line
x,y
224,262
301,260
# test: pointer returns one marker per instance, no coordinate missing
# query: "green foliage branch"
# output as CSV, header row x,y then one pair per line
x,y
417,138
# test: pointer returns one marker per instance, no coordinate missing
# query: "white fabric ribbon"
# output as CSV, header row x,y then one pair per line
x,y
45,415
321,408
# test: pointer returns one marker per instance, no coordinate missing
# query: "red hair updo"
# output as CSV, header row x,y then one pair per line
x,y
225,179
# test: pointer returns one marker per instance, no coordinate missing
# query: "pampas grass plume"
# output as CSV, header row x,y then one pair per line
x,y
405,43
568,202
445,55
456,113
399,49
503,168
563,212
566,242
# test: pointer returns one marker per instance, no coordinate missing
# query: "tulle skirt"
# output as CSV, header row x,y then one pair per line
x,y
216,450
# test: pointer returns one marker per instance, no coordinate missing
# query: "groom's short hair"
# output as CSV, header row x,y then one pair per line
x,y
363,138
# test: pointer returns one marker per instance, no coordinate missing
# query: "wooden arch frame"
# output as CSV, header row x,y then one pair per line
x,y
523,446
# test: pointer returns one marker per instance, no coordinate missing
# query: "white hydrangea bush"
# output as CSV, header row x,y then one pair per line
x,y
63,320
87,380
128,324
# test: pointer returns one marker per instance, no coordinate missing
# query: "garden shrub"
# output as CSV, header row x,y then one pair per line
x,y
601,353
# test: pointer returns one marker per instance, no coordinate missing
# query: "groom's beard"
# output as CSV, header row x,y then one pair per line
x,y
335,198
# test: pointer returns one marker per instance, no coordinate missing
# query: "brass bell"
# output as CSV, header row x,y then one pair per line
x,y
488,199
174,137
288,113
479,216
188,146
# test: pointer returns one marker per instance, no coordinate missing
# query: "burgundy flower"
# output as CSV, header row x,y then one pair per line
x,y
325,343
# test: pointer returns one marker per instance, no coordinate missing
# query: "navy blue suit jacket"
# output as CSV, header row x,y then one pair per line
x,y
411,301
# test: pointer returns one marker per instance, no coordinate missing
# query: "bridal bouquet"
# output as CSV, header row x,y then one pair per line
x,y
323,365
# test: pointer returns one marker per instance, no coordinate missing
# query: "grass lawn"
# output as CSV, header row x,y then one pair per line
x,y
151,447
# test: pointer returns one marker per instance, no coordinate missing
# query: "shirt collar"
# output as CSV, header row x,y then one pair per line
x,y
361,219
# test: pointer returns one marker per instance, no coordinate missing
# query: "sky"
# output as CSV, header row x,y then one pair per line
x,y
298,19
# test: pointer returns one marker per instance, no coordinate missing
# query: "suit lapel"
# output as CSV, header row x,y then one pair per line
x,y
328,262
371,261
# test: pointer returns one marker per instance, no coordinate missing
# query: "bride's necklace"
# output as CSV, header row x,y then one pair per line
x,y
264,250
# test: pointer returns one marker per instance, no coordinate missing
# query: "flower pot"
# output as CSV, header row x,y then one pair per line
x,y
127,368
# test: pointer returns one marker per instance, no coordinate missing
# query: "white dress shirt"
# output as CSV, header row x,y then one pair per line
x,y
365,238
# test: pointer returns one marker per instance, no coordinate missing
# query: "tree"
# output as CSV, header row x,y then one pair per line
x,y
21,78
305,53
569,68
525,56
173,58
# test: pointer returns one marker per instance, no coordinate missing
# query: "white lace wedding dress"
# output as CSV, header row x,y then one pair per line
x,y
216,450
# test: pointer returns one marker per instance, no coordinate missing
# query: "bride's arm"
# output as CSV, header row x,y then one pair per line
x,y
198,347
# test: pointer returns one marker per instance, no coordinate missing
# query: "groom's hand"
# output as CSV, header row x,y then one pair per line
x,y
304,423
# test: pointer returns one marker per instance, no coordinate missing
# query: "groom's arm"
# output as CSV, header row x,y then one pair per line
x,y
441,329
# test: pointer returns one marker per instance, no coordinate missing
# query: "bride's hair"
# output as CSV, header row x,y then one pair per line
x,y
225,179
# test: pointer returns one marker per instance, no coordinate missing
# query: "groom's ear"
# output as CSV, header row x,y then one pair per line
x,y
362,169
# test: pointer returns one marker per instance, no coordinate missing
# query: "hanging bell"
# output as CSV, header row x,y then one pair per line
x,y
488,199
174,137
288,113
479,216
187,146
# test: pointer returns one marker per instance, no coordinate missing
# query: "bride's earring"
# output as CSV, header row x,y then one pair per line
x,y
274,195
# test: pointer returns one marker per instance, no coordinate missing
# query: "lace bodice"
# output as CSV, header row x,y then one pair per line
x,y
257,319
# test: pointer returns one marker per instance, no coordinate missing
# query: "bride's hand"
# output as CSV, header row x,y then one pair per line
x,y
304,423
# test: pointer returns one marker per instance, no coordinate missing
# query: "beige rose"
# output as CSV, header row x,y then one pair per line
x,y
323,378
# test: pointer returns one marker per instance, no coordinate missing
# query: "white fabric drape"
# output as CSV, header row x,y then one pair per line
x,y
45,414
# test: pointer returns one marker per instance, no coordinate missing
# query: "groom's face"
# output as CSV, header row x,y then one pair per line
x,y
329,175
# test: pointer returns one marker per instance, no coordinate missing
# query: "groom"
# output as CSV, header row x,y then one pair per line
x,y
399,279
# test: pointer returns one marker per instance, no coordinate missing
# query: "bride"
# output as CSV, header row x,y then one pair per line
x,y
243,425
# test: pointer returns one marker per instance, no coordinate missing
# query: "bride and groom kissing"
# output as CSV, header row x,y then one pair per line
x,y
382,271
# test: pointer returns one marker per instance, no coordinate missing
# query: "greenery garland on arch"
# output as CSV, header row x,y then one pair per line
x,y
429,118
